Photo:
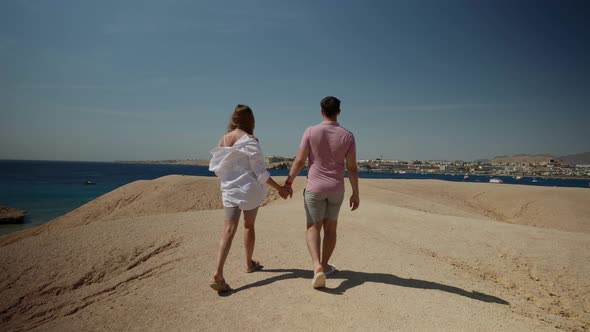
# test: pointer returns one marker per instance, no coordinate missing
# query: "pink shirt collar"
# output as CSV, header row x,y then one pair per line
x,y
331,123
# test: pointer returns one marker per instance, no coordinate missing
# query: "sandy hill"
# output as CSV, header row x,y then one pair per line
x,y
578,158
417,255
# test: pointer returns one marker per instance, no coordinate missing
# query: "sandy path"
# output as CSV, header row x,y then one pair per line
x,y
400,268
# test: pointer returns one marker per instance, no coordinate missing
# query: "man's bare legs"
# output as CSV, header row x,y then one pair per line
x,y
313,244
225,241
318,247
329,242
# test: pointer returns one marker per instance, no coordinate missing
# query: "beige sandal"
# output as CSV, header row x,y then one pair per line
x,y
256,266
220,286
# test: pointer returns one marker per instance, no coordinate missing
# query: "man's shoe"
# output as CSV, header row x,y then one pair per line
x,y
319,280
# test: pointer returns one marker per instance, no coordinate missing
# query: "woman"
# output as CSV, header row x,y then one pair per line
x,y
239,162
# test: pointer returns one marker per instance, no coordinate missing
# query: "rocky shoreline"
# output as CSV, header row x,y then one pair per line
x,y
10,215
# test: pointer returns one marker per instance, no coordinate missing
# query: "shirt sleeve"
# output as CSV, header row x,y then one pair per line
x,y
305,139
257,163
351,146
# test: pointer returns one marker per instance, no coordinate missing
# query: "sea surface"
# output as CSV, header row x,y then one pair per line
x,y
49,189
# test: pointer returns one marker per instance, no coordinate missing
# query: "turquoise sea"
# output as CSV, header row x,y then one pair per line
x,y
49,189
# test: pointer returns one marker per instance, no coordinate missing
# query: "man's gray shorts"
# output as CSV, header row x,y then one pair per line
x,y
322,206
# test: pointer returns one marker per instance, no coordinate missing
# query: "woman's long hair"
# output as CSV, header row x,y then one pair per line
x,y
243,118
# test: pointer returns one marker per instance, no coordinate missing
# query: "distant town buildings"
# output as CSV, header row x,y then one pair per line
x,y
550,168
277,159
277,162
545,168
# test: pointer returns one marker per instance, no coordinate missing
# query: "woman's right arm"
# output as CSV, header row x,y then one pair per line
x,y
258,165
283,192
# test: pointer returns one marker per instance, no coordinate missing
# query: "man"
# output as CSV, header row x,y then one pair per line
x,y
329,148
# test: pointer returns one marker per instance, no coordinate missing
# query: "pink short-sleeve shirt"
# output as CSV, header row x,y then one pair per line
x,y
329,145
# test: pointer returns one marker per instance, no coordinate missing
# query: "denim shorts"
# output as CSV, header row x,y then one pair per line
x,y
322,206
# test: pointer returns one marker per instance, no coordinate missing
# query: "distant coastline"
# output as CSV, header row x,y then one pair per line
x,y
190,162
508,168
197,162
50,189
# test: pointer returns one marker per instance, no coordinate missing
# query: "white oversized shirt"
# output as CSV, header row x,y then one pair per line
x,y
243,173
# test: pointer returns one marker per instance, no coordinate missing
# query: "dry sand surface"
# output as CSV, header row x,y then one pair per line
x,y
417,255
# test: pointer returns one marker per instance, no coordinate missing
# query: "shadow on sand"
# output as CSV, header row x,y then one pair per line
x,y
353,279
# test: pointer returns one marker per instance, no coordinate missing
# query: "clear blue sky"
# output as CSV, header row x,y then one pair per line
x,y
108,80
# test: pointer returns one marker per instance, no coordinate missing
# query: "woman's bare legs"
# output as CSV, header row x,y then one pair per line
x,y
249,239
225,241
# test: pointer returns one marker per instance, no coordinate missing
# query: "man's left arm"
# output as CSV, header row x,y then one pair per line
x,y
353,176
297,166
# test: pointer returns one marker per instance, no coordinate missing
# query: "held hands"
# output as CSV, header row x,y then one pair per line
x,y
354,202
285,192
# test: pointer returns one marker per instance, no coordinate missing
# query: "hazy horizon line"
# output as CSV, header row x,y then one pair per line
x,y
199,159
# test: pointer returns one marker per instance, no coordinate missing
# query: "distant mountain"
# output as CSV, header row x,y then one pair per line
x,y
531,155
578,158
525,158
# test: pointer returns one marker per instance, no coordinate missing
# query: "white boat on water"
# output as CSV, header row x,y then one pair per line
x,y
535,181
518,177
466,177
496,180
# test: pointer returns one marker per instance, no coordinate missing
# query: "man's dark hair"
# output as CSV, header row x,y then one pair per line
x,y
330,106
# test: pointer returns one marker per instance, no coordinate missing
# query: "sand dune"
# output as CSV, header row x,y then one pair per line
x,y
565,209
418,254
168,194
